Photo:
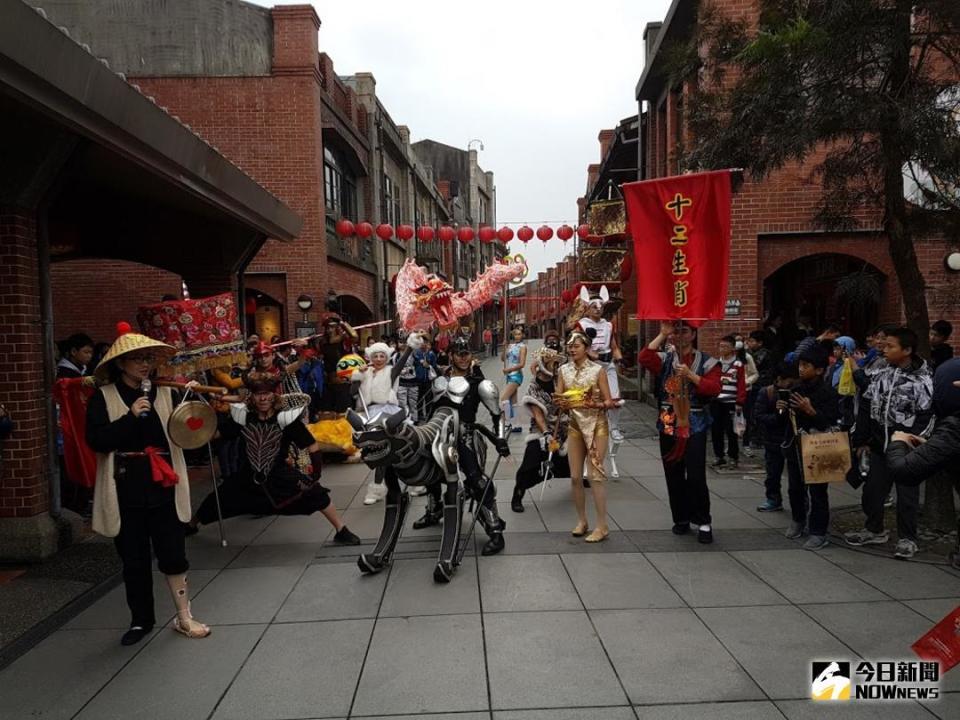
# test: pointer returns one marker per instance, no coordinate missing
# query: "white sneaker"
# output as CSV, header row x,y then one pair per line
x,y
375,493
905,549
616,435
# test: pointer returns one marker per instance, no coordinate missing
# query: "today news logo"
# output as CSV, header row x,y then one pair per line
x,y
831,680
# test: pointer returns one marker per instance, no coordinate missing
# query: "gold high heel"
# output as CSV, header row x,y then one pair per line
x,y
598,535
580,530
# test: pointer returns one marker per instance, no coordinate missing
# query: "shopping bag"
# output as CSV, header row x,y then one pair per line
x,y
739,423
825,456
846,385
942,642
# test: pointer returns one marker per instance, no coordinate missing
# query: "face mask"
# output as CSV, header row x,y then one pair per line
x,y
739,345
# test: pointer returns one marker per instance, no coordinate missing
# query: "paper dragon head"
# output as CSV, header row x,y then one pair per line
x,y
424,299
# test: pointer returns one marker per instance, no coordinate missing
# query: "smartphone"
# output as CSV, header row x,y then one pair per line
x,y
783,395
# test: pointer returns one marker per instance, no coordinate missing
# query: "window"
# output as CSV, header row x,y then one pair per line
x,y
391,201
339,186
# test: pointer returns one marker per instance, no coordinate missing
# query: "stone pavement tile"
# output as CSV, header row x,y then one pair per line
x,y
727,516
656,486
245,595
619,580
28,600
713,580
553,543
303,670
724,540
669,656
860,710
770,519
111,610
804,577
333,592
627,488
526,582
735,486
899,579
641,515
206,553
343,496
432,716
758,710
414,662
365,522
412,591
527,521
175,677
597,713
935,609
880,630
296,529
55,678
298,554
241,530
775,644
946,708
548,660
346,474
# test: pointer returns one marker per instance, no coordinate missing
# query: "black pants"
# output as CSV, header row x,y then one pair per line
x,y
723,427
240,496
139,529
875,492
773,464
809,504
530,472
687,480
751,435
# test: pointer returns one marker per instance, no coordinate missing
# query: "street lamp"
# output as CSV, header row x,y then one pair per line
x,y
305,302
952,261
305,328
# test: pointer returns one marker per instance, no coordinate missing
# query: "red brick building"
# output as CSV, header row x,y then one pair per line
x,y
781,262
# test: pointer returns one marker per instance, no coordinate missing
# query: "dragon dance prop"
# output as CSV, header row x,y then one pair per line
x,y
424,299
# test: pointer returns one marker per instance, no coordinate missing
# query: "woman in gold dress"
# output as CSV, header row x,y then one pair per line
x,y
583,391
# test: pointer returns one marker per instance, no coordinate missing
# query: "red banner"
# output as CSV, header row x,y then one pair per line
x,y
942,643
681,245
72,395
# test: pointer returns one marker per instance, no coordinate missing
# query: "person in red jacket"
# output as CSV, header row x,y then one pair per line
x,y
685,376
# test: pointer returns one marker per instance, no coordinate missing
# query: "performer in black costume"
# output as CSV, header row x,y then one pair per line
x,y
268,481
480,390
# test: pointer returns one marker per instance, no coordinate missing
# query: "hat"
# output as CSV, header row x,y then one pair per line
x,y
378,347
262,349
262,382
816,356
127,342
601,299
459,345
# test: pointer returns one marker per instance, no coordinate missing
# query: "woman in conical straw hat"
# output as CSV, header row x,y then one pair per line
x,y
142,494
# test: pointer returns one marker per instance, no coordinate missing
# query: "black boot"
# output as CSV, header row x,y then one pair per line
x,y
494,545
516,503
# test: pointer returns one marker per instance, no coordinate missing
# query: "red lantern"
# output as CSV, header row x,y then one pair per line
x,y
344,227
487,234
626,267
514,303
446,234
250,306
544,232
405,232
505,234
425,234
384,231
564,232
525,234
566,296
364,230
583,231
465,234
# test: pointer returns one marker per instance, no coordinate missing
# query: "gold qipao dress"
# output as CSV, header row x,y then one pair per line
x,y
582,390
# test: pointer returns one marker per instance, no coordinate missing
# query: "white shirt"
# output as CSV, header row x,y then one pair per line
x,y
604,328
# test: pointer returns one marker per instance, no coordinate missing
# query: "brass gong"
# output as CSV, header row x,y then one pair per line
x,y
192,424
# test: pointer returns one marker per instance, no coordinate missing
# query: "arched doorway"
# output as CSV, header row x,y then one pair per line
x,y
353,310
264,314
823,288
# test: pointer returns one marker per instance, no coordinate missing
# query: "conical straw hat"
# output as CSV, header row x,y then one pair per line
x,y
127,343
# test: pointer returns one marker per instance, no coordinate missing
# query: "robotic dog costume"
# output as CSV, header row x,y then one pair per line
x,y
428,455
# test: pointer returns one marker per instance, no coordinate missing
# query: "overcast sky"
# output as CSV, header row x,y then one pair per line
x,y
535,80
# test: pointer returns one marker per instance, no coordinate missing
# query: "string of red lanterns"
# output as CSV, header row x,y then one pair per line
x,y
465,234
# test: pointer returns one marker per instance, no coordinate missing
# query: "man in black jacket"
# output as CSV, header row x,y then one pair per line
x,y
911,459
899,397
814,405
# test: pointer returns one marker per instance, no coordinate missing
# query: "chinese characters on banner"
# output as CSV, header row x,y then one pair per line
x,y
681,244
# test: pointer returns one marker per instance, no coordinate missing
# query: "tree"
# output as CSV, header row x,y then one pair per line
x,y
872,84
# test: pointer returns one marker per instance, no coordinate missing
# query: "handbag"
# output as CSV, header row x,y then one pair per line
x,y
825,456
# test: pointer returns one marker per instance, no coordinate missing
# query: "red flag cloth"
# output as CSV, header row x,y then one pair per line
x,y
681,244
942,643
72,396
160,468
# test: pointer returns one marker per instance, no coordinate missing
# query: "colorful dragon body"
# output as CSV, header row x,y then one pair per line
x,y
424,299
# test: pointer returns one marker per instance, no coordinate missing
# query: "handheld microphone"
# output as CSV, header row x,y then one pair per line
x,y
145,387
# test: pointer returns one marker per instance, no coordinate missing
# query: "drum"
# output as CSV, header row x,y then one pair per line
x,y
192,424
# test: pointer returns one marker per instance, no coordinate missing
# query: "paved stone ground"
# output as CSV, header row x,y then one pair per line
x,y
646,625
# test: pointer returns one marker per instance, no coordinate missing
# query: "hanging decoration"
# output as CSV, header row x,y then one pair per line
x,y
487,234
544,232
345,228
583,231
525,234
364,230
425,234
405,232
465,234
564,232
384,231
505,234
446,234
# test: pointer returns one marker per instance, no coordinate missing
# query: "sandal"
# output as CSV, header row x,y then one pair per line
x,y
191,628
597,535
580,530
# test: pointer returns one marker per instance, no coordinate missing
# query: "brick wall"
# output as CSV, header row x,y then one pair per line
x,y
91,296
23,488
